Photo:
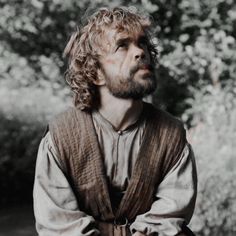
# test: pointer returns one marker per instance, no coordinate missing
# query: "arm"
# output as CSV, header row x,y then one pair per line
x,y
174,200
55,206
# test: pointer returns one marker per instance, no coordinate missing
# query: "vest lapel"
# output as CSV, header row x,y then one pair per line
x,y
161,147
92,151
142,175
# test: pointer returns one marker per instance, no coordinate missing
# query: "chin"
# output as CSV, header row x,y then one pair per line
x,y
145,75
138,89
146,81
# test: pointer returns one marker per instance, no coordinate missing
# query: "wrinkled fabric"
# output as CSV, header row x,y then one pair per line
x,y
57,210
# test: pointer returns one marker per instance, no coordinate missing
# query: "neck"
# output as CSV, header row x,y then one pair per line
x,y
121,113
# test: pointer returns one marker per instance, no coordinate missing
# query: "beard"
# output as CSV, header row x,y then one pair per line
x,y
135,87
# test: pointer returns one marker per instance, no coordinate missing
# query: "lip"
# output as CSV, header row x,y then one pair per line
x,y
144,71
145,67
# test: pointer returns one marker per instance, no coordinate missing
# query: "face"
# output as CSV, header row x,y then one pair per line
x,y
126,64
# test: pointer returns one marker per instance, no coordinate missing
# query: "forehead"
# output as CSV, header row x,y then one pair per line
x,y
114,35
111,35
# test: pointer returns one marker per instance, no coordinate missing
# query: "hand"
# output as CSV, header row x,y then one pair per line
x,y
138,234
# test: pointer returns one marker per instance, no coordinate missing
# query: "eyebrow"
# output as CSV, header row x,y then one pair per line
x,y
128,39
123,40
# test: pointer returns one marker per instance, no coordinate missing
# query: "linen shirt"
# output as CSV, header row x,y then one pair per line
x,y
57,210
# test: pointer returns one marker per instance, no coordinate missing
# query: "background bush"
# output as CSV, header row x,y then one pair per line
x,y
23,118
196,81
213,136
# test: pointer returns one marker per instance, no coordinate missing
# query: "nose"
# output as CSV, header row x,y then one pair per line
x,y
139,53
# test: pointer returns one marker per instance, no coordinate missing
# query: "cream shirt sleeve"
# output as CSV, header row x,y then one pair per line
x,y
55,206
174,202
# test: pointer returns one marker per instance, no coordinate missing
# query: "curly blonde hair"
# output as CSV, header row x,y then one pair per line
x,y
83,50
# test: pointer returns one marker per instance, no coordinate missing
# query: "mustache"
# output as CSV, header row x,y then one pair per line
x,y
141,65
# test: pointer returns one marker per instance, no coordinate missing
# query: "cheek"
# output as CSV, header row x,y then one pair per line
x,y
113,66
110,61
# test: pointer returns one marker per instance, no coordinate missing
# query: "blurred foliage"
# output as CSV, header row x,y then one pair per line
x,y
197,43
23,117
213,136
196,80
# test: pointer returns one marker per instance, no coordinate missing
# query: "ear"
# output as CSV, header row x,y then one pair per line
x,y
100,78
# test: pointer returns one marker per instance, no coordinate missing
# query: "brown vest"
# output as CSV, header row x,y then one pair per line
x,y
75,138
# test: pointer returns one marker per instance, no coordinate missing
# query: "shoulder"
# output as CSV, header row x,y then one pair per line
x,y
68,118
67,114
46,148
69,126
61,125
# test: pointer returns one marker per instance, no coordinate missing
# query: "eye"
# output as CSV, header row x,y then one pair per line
x,y
122,46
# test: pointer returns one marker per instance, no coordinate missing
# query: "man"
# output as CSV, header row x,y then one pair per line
x,y
112,164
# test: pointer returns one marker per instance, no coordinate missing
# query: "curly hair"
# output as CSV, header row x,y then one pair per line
x,y
83,50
